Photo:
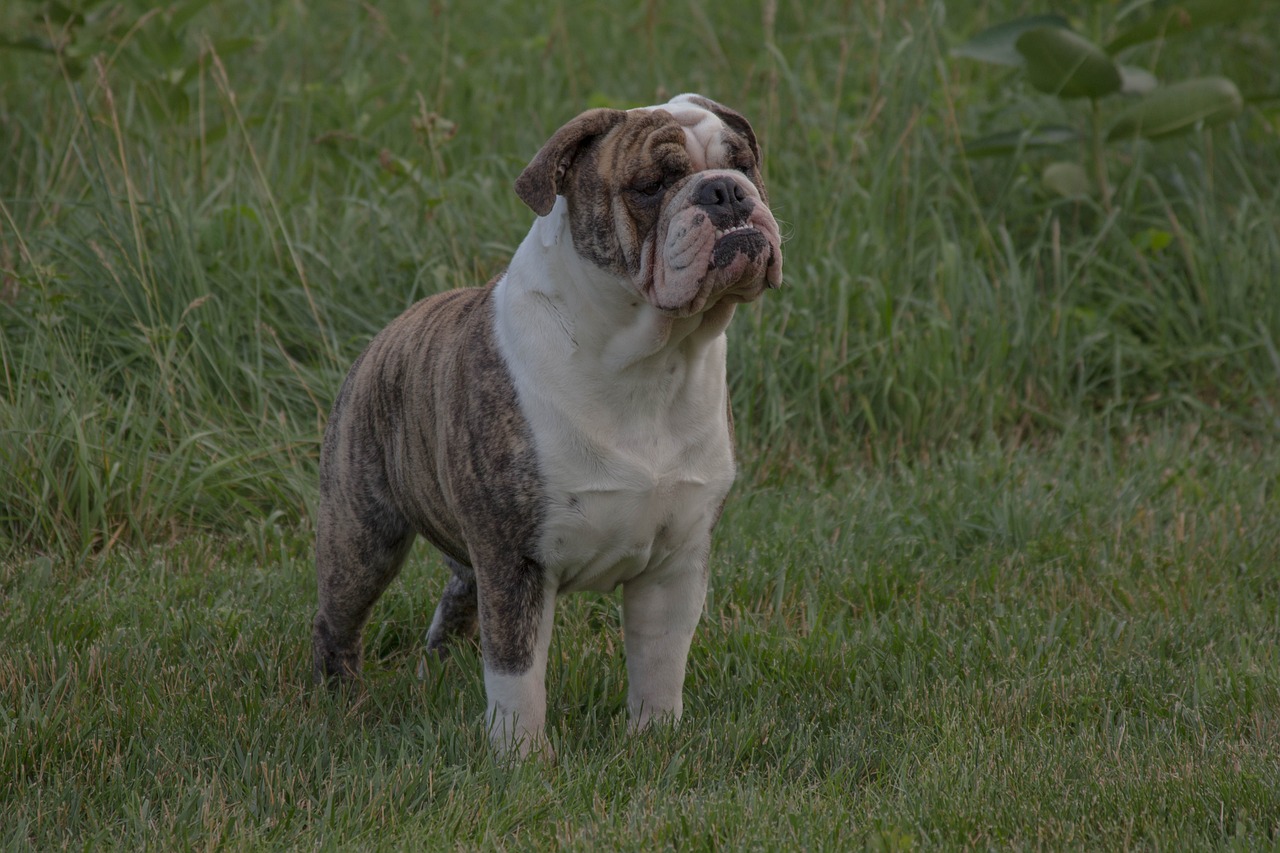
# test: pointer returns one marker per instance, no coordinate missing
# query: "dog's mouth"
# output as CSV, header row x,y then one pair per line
x,y
695,262
740,265
741,239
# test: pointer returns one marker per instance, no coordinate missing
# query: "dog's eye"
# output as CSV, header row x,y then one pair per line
x,y
649,187
654,186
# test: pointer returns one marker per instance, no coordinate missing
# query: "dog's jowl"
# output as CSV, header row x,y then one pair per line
x,y
566,427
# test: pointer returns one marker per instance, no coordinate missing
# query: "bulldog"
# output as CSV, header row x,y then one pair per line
x,y
567,427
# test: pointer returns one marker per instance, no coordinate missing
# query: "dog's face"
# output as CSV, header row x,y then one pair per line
x,y
668,199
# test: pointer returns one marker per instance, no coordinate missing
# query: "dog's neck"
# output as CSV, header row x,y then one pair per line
x,y
602,321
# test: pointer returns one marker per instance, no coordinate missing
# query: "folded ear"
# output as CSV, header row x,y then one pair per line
x,y
539,183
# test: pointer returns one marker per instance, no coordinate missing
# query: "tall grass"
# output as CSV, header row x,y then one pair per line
x,y
195,245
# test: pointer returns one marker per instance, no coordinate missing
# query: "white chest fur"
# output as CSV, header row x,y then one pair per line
x,y
628,411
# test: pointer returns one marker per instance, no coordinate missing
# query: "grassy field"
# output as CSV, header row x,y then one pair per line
x,y
1001,568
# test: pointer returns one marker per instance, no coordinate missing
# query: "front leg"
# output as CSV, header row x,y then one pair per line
x,y
516,615
658,620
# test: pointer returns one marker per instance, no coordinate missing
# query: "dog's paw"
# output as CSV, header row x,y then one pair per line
x,y
650,717
525,747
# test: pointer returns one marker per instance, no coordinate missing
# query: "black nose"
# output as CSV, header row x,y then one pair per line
x,y
724,200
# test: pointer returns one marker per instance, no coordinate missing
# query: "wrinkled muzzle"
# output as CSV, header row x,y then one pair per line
x,y
715,240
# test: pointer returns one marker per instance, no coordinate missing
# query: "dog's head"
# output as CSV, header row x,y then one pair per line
x,y
669,198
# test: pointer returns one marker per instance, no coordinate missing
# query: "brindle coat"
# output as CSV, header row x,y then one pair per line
x,y
464,477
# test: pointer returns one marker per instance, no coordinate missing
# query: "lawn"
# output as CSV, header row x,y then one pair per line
x,y
1001,565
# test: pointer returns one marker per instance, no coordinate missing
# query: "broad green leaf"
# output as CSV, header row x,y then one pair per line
x,y
1068,180
998,144
1180,107
1063,63
996,44
1151,240
1263,100
1136,81
1184,17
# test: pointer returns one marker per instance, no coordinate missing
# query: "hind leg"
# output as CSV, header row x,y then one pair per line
x,y
361,543
457,615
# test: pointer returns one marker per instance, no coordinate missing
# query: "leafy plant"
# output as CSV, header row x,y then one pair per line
x,y
1059,61
152,44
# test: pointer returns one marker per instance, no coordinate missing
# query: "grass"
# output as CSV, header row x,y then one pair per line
x,y
1000,568
1064,646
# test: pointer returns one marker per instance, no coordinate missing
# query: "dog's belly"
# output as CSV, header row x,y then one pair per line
x,y
608,530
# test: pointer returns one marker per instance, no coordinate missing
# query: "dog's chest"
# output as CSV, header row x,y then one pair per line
x,y
633,470
635,505
628,414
